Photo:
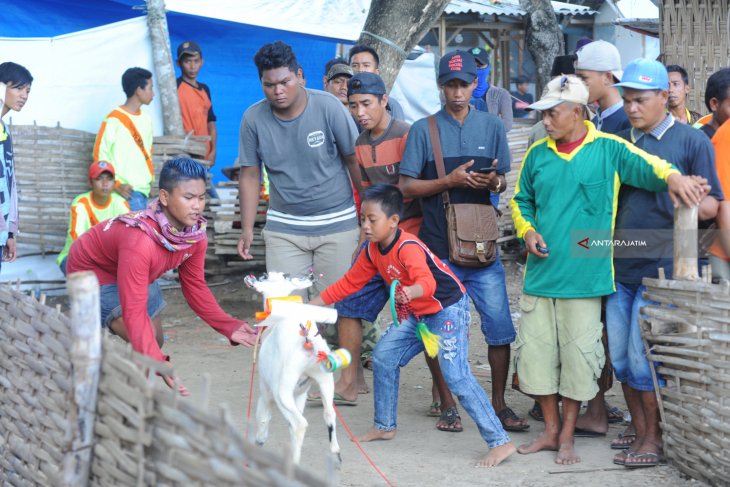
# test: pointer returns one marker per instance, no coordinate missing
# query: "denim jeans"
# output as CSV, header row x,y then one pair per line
x,y
487,288
137,201
111,306
625,345
400,344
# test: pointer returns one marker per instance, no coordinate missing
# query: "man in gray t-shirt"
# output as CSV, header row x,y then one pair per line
x,y
306,140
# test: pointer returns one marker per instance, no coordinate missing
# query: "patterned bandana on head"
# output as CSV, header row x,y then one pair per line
x,y
482,82
171,238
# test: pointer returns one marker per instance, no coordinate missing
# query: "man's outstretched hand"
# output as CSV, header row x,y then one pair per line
x,y
245,335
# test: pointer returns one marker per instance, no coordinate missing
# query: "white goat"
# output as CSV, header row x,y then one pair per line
x,y
290,359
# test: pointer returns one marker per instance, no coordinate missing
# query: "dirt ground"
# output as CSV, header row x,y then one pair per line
x,y
420,454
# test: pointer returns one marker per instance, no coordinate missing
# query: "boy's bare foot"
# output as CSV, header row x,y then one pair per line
x,y
567,455
375,434
497,455
545,441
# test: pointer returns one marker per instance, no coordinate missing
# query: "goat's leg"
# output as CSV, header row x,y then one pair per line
x,y
327,388
300,394
297,423
263,414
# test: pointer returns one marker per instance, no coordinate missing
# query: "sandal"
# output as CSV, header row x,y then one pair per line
x,y
638,460
452,419
615,415
620,457
536,412
624,441
506,414
435,410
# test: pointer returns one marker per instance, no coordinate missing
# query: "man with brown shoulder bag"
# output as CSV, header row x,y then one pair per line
x,y
452,161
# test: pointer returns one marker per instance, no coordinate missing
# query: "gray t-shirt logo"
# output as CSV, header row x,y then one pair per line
x,y
315,139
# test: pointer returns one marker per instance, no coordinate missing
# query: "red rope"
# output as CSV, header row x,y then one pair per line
x,y
250,387
352,437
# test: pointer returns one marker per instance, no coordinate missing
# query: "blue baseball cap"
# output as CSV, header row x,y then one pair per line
x,y
366,84
457,65
645,74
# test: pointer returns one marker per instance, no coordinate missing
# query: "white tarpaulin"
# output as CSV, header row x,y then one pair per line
x,y
416,88
336,19
77,78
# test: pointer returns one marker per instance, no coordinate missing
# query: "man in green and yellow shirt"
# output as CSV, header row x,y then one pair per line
x,y
92,207
564,205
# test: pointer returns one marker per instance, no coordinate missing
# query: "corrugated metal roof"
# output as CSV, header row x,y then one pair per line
x,y
509,8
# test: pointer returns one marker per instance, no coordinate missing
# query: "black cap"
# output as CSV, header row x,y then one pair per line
x,y
366,84
522,79
481,56
457,65
188,47
563,65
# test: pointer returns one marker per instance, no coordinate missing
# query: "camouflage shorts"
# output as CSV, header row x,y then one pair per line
x,y
370,336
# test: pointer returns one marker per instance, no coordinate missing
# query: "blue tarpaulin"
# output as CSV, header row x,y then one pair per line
x,y
228,50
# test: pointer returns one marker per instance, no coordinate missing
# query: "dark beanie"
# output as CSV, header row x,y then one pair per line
x,y
563,65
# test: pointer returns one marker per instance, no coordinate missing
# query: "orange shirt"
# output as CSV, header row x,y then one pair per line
x,y
721,141
196,109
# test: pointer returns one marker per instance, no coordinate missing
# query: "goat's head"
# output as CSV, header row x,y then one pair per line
x,y
277,284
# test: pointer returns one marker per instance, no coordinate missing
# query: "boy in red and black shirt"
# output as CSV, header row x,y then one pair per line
x,y
437,297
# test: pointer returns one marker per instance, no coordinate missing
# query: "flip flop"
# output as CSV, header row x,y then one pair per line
x,y
341,401
581,433
451,416
618,444
615,415
654,460
536,412
434,410
618,460
506,414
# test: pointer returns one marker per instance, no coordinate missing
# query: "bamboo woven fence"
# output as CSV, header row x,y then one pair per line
x,y
696,35
143,433
688,336
51,167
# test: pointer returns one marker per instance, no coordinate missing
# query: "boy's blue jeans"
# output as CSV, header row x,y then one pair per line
x,y
400,344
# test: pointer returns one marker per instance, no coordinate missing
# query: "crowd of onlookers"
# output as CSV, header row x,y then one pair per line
x,y
373,205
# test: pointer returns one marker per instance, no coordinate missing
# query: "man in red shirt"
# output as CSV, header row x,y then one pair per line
x,y
130,252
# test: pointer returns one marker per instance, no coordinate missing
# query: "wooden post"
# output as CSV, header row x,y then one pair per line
x,y
442,35
685,243
164,69
83,292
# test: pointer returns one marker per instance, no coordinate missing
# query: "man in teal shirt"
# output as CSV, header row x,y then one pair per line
x,y
564,208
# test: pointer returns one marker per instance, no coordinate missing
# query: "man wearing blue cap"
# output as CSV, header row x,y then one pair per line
x,y
649,216
476,158
378,151
563,203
